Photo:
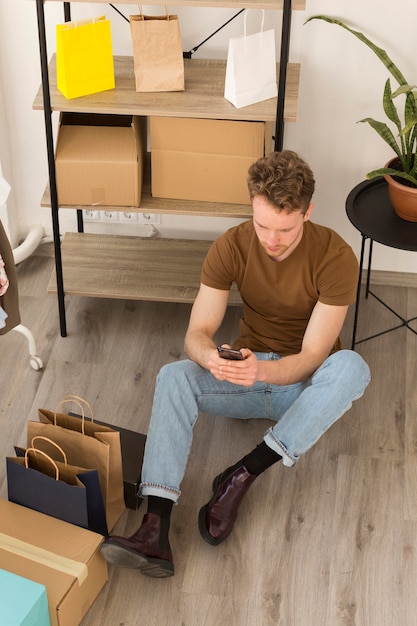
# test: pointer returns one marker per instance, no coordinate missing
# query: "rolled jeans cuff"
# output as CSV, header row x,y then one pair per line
x,y
272,442
151,489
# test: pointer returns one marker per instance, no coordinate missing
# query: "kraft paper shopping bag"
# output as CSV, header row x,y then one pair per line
x,y
157,53
88,445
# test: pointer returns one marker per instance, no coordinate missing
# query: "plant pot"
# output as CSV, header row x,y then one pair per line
x,y
402,197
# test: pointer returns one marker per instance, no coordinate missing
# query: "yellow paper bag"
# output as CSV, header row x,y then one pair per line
x,y
84,57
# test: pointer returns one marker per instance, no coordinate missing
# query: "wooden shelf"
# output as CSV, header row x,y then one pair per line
x,y
203,96
133,268
276,5
167,206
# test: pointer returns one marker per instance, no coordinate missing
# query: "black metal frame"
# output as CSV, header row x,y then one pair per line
x,y
368,292
282,80
278,141
51,164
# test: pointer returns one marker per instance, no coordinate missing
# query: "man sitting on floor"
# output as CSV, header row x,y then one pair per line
x,y
296,280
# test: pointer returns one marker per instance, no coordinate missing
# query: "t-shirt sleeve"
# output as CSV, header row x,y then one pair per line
x,y
338,278
218,266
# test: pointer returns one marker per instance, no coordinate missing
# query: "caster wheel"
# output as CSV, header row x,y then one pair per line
x,y
36,363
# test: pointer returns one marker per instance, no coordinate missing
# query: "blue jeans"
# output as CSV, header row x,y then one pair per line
x,y
302,412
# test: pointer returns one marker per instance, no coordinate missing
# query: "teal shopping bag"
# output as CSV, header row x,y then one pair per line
x,y
22,602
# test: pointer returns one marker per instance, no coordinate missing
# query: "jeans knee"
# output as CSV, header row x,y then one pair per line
x,y
171,372
351,364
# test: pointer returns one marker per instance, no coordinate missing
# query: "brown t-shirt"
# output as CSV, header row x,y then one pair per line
x,y
279,297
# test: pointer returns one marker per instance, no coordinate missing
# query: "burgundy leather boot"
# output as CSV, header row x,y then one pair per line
x,y
141,550
216,518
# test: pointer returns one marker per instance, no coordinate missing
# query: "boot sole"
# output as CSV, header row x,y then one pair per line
x,y
123,557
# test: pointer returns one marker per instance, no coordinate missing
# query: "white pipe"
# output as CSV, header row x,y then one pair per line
x,y
31,340
29,245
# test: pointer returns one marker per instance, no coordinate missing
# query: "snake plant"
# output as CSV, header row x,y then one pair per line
x,y
404,142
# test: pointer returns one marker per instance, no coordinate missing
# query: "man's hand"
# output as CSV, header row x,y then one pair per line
x,y
236,372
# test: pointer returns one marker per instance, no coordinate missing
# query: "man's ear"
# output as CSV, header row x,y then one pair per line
x,y
309,211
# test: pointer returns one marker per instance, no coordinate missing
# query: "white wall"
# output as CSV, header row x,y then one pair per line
x,y
341,82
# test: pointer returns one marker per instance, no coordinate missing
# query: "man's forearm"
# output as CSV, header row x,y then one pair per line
x,y
198,346
290,369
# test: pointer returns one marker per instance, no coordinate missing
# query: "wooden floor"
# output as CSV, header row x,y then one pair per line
x,y
330,542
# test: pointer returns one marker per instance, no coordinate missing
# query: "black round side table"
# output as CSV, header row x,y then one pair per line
x,y
370,211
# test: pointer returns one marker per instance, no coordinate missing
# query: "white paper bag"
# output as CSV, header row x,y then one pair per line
x,y
251,72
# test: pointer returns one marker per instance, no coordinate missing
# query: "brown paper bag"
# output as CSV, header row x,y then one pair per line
x,y
88,445
157,53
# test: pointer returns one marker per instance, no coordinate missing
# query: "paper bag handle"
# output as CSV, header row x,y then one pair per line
x,y
75,22
46,456
71,397
66,401
64,456
141,11
244,20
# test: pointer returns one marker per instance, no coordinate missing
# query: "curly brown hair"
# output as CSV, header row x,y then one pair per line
x,y
284,179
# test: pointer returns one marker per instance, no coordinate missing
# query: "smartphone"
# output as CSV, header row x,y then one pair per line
x,y
228,353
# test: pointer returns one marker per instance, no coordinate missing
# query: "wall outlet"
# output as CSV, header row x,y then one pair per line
x,y
91,215
109,216
148,218
128,216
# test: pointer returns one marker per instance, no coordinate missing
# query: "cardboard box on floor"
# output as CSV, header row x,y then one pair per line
x,y
206,160
99,159
61,556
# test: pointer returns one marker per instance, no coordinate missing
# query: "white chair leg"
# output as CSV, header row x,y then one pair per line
x,y
35,361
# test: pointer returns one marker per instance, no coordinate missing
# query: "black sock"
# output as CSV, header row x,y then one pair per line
x,y
163,508
255,462
230,470
260,459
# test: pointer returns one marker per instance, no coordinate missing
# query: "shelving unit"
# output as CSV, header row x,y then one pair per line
x,y
171,267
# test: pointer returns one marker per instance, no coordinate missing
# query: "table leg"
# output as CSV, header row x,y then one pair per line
x,y
368,277
358,289
368,292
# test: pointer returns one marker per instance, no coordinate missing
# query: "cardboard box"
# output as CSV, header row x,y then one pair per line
x,y
206,160
99,159
22,601
132,445
61,556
